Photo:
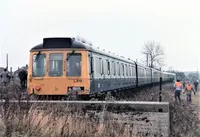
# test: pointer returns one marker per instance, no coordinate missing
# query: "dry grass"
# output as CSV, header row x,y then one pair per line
x,y
56,123
59,121
184,118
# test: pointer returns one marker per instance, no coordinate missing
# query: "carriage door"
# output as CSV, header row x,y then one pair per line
x,y
91,70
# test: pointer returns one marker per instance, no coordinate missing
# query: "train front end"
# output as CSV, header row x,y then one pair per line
x,y
58,67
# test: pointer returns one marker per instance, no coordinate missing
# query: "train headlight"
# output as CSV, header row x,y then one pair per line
x,y
37,88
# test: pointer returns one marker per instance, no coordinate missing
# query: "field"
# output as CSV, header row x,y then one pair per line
x,y
61,121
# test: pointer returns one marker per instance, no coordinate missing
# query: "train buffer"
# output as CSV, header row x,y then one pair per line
x,y
152,118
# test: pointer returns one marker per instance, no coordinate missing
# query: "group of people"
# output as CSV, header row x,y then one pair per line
x,y
22,74
187,88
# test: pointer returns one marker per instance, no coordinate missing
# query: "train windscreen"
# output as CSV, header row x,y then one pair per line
x,y
56,64
39,65
73,64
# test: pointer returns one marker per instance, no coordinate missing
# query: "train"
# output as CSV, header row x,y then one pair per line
x,y
64,66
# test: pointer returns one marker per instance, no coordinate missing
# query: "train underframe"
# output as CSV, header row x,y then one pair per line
x,y
96,95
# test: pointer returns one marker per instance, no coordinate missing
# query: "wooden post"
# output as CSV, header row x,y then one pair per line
x,y
160,93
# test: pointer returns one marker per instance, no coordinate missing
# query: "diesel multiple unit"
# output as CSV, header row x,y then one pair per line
x,y
63,66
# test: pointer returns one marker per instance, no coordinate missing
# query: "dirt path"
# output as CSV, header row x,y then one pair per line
x,y
195,100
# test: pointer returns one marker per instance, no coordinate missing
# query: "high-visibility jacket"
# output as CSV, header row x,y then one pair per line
x,y
178,86
189,87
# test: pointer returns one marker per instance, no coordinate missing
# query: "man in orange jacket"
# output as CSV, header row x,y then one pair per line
x,y
177,89
188,91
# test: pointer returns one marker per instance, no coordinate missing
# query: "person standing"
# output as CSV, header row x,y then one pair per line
x,y
23,78
188,91
183,84
5,77
178,89
196,83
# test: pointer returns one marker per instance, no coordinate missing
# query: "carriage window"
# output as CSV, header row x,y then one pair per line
x,y
74,64
114,68
118,69
139,72
56,64
126,70
123,69
102,66
39,65
133,70
98,65
105,67
148,73
143,72
108,66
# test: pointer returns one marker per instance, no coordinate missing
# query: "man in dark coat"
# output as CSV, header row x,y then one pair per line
x,y
23,77
196,85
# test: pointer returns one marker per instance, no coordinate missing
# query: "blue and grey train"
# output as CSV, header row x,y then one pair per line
x,y
61,66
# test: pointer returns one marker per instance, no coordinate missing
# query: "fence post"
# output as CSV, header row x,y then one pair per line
x,y
160,93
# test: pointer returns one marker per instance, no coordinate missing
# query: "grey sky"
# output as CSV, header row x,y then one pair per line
x,y
119,26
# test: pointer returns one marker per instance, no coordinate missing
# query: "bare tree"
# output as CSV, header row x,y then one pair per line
x,y
154,54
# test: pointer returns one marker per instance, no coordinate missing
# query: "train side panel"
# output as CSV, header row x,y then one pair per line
x,y
111,74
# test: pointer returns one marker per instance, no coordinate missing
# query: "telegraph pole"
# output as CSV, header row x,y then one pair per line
x,y
160,93
7,61
197,68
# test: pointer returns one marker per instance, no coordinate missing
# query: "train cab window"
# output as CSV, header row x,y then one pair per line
x,y
74,64
55,64
39,65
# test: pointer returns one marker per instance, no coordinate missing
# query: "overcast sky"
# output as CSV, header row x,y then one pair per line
x,y
119,26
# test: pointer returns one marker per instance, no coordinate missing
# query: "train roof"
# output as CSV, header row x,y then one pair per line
x,y
61,43
64,43
165,72
73,43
